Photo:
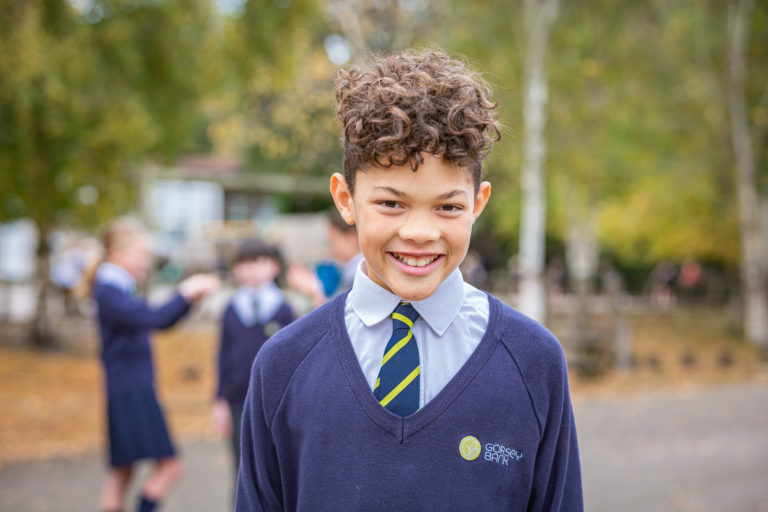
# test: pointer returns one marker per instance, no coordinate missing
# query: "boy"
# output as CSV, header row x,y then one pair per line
x,y
329,278
414,390
258,309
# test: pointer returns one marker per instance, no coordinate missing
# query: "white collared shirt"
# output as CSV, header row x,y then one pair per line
x,y
116,276
268,297
451,323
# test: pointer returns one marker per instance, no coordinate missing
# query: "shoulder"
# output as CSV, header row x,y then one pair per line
x,y
229,309
285,311
105,293
298,338
228,315
536,352
525,338
284,352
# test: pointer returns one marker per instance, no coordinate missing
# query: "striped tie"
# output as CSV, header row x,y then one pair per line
x,y
397,387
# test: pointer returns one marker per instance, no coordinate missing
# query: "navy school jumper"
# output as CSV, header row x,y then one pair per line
x,y
499,436
238,347
125,323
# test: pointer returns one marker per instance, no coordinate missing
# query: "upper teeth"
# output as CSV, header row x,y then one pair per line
x,y
416,262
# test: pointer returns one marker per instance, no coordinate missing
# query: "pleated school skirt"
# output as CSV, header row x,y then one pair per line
x,y
137,428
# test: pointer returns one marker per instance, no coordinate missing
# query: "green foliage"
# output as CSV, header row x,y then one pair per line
x,y
637,133
275,103
638,126
87,95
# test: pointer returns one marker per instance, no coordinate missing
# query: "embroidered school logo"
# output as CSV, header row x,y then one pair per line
x,y
469,448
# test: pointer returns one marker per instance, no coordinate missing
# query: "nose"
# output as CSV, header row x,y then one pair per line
x,y
418,227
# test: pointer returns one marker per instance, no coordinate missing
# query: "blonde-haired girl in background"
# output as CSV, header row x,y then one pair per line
x,y
136,424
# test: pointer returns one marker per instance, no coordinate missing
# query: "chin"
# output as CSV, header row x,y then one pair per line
x,y
414,294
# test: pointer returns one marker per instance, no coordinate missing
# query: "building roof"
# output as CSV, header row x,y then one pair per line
x,y
232,175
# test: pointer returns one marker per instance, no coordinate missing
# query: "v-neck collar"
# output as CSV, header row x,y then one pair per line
x,y
399,427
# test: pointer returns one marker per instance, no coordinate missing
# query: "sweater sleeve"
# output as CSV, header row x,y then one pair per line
x,y
120,308
224,342
258,483
556,482
557,473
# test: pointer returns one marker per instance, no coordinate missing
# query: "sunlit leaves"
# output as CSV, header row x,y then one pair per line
x,y
88,91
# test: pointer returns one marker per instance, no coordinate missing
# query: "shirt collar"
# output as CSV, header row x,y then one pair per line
x,y
372,303
268,297
116,276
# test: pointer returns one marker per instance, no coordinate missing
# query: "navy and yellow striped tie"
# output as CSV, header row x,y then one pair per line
x,y
397,387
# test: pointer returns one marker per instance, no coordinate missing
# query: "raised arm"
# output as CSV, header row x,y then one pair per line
x,y
120,308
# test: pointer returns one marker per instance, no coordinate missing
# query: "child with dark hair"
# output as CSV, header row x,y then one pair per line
x,y
414,390
257,311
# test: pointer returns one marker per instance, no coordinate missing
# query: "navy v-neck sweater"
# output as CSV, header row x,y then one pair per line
x,y
499,436
238,347
125,323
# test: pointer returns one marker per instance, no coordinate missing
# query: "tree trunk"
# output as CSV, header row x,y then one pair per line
x,y
753,279
539,17
41,334
764,235
581,257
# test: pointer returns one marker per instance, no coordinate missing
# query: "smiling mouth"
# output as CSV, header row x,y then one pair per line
x,y
421,261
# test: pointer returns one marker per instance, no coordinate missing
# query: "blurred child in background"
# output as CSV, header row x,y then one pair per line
x,y
330,277
136,425
258,309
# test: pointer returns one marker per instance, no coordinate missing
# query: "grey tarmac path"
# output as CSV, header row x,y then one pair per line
x,y
702,450
697,450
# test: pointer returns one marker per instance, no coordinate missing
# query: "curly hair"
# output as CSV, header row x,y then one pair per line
x,y
413,103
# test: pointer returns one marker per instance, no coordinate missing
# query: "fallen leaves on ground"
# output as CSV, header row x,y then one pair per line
x,y
53,402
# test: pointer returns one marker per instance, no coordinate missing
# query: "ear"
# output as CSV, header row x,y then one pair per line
x,y
342,197
481,199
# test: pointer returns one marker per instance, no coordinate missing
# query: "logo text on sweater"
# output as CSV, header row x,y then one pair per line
x,y
470,449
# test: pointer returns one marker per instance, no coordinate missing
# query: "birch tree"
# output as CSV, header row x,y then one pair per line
x,y
539,15
752,271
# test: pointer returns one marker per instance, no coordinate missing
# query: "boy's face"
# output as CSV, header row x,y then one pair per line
x,y
257,272
413,227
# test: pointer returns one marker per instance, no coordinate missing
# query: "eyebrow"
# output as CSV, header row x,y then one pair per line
x,y
452,193
441,197
391,190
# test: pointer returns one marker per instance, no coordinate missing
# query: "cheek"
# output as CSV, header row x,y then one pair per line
x,y
271,271
140,262
372,240
459,236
